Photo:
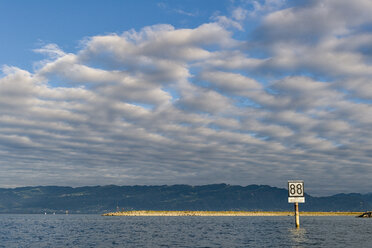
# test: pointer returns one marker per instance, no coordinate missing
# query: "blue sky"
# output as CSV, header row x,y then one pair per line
x,y
27,25
192,92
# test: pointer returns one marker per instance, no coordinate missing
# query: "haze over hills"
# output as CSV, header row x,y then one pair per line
x,y
219,197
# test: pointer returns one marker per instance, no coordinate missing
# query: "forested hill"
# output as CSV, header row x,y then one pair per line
x,y
99,199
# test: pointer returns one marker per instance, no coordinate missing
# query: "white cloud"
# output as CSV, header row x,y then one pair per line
x,y
316,19
239,14
227,22
168,105
52,50
265,6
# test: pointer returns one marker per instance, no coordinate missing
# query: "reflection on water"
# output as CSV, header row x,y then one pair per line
x,y
298,236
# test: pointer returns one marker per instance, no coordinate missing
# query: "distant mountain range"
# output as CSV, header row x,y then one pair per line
x,y
100,199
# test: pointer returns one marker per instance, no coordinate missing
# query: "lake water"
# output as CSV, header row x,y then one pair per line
x,y
190,231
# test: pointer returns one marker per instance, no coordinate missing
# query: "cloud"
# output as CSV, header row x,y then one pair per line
x,y
239,14
263,7
315,19
227,22
180,11
166,105
52,50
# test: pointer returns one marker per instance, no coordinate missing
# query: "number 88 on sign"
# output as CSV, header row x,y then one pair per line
x,y
296,191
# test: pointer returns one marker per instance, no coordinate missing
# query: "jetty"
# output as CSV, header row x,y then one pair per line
x,y
366,215
225,213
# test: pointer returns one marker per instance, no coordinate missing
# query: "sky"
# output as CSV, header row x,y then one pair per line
x,y
186,92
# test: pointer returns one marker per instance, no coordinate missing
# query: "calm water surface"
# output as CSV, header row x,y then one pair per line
x,y
122,231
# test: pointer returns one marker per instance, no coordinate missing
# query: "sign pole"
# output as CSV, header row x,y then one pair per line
x,y
297,215
296,195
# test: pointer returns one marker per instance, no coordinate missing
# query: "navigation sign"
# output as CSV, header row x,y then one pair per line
x,y
296,195
296,191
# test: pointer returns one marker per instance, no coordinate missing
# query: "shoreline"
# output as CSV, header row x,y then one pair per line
x,y
226,213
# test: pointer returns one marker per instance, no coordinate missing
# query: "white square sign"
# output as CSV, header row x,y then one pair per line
x,y
296,199
296,191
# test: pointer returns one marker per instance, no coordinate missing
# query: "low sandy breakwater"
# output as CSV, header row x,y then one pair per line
x,y
225,213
